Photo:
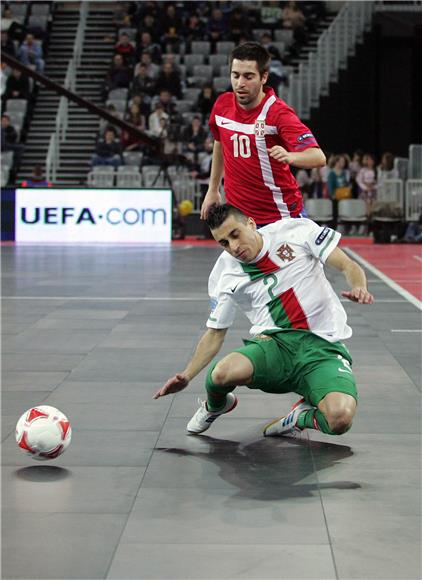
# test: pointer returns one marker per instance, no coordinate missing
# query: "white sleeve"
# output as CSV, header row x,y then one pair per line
x,y
222,306
321,240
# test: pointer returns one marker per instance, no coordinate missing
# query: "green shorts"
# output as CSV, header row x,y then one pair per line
x,y
300,362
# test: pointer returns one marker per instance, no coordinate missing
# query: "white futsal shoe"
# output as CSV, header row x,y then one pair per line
x,y
287,425
203,419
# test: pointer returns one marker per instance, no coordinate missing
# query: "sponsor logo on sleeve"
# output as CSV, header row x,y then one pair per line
x,y
305,136
322,236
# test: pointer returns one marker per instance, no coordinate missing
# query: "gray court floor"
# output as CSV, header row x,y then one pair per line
x,y
95,331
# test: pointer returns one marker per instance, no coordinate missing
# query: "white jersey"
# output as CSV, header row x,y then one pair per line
x,y
285,287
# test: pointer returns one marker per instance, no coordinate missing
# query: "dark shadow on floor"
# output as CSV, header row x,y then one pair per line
x,y
272,469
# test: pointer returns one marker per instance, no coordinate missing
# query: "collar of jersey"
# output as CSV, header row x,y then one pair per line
x,y
264,250
254,112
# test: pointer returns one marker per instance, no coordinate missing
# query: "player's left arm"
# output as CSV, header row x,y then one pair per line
x,y
307,159
354,275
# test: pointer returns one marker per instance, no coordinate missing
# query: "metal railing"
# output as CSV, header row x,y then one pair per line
x,y
413,199
62,116
391,190
53,158
334,46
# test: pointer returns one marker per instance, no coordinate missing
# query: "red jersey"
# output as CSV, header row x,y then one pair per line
x,y
263,188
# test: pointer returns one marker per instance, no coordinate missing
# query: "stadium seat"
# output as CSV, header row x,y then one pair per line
x,y
118,94
221,84
320,210
132,158
7,159
128,179
17,118
201,47
191,94
16,105
284,35
203,71
258,32
352,211
191,60
103,169
225,47
101,178
38,21
225,71
217,61
40,9
415,162
184,106
19,10
131,32
119,104
4,175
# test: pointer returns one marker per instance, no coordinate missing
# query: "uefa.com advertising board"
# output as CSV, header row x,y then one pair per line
x,y
93,215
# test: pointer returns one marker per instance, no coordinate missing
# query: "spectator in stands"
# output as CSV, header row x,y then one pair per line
x,y
152,69
108,151
292,16
239,25
216,27
134,117
169,80
12,25
143,83
202,175
9,139
119,75
30,53
193,137
121,15
37,179
317,184
17,85
130,142
149,25
143,102
105,125
146,45
206,100
4,75
339,180
158,120
172,28
277,74
7,44
270,14
165,98
385,169
126,49
355,166
194,29
414,232
367,180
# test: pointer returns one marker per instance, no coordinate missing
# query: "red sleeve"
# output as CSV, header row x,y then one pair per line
x,y
295,135
213,125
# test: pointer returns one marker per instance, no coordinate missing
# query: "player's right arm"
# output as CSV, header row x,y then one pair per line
x,y
206,349
213,194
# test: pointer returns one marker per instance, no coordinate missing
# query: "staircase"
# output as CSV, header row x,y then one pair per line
x,y
97,53
78,146
43,123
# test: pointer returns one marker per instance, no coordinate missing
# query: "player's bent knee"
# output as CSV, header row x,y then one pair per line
x,y
341,420
234,369
220,373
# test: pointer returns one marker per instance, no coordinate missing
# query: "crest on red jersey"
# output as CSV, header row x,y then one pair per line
x,y
285,253
259,128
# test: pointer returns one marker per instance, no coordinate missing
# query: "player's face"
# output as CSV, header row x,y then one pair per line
x,y
247,83
239,239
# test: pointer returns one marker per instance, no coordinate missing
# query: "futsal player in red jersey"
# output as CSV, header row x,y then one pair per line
x,y
257,137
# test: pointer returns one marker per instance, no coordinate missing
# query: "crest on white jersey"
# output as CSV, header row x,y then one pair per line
x,y
259,129
285,253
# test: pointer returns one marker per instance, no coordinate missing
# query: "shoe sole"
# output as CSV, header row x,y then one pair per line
x,y
206,428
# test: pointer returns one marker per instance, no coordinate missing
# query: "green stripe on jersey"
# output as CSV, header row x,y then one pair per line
x,y
327,243
278,314
253,272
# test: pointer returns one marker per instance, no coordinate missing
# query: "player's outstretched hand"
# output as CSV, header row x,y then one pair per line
x,y
209,200
360,295
173,385
280,154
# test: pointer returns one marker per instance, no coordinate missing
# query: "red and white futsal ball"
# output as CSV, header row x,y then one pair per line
x,y
43,432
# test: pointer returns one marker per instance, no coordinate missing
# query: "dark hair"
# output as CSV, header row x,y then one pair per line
x,y
252,51
217,215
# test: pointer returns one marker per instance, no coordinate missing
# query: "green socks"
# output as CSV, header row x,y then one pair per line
x,y
216,395
314,419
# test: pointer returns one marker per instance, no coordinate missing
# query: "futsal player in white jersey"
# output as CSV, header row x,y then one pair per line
x,y
257,138
275,275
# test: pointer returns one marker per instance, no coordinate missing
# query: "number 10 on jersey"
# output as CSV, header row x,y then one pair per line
x,y
241,145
